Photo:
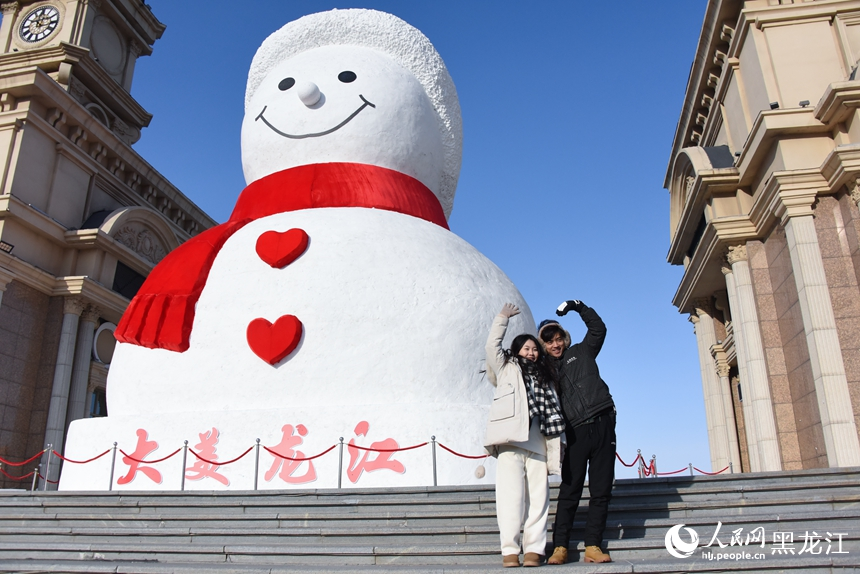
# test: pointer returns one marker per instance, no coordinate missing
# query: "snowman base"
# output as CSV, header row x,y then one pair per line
x,y
219,437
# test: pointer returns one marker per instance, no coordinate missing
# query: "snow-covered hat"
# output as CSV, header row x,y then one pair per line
x,y
390,35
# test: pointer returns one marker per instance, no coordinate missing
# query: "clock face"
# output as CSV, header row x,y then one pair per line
x,y
40,23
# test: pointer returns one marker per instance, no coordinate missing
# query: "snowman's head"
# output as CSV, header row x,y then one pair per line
x,y
356,86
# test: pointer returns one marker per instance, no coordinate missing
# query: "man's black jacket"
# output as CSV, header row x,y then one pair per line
x,y
583,392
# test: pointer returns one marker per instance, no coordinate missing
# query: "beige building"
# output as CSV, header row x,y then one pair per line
x,y
83,218
764,181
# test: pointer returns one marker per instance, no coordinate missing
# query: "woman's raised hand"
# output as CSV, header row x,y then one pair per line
x,y
509,310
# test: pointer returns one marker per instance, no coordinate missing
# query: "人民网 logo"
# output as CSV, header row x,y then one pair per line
x,y
677,547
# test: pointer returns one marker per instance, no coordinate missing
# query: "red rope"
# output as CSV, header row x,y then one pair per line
x,y
17,477
388,449
31,459
675,471
191,450
711,473
279,455
61,457
635,460
455,453
149,461
51,481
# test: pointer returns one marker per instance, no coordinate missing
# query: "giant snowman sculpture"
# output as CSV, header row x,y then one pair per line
x,y
334,303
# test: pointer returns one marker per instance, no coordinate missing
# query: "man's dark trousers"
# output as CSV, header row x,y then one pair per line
x,y
591,445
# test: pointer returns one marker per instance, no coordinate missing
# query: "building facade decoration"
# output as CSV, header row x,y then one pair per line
x,y
769,231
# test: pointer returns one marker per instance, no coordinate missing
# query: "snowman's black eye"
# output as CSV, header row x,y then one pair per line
x,y
346,77
286,84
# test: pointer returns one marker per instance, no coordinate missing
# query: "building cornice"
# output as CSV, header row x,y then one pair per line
x,y
103,147
110,303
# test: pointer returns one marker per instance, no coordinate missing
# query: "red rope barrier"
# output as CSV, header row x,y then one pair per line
x,y
711,473
191,450
149,461
279,455
61,457
455,453
31,459
674,471
17,477
635,460
387,449
51,481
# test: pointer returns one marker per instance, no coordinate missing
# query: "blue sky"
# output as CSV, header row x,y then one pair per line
x,y
569,109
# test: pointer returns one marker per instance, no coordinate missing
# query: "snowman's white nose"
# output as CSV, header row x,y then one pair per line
x,y
308,92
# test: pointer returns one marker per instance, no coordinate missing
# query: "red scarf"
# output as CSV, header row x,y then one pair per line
x,y
162,313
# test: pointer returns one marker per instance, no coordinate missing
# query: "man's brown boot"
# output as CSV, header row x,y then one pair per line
x,y
559,556
595,554
511,561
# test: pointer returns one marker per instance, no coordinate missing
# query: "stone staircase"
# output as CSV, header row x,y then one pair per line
x,y
420,530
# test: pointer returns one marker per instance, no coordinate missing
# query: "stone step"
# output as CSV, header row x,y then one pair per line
x,y
491,565
623,552
178,515
488,531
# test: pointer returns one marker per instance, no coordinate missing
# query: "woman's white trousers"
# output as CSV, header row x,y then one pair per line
x,y
522,500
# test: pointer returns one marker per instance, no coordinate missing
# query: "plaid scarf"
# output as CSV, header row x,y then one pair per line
x,y
542,402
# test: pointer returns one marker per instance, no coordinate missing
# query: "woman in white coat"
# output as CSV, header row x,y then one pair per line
x,y
523,432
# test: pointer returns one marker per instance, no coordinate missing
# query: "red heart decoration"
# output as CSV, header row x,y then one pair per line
x,y
273,342
281,249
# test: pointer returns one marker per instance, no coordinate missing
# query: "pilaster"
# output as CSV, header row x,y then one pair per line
x,y
81,372
706,338
741,352
5,278
819,325
756,387
55,429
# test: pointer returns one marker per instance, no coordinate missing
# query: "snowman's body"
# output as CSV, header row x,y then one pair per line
x,y
393,309
395,337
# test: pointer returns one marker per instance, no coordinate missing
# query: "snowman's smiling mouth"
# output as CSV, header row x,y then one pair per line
x,y
318,134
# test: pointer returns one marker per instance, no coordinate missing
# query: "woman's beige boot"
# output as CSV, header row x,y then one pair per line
x,y
511,561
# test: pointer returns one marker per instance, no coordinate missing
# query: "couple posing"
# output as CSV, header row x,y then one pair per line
x,y
551,414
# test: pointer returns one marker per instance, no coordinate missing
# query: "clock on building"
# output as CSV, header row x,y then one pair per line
x,y
39,23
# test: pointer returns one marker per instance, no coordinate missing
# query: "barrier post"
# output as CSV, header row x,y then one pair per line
x,y
433,442
48,467
654,466
112,467
35,478
731,468
256,463
691,469
340,462
641,466
184,458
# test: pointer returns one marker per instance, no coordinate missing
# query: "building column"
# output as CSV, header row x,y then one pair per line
x,y
72,309
81,371
5,278
819,325
756,387
706,338
741,353
723,370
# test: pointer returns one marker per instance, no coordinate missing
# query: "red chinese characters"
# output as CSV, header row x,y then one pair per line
x,y
289,441
135,460
206,450
381,460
